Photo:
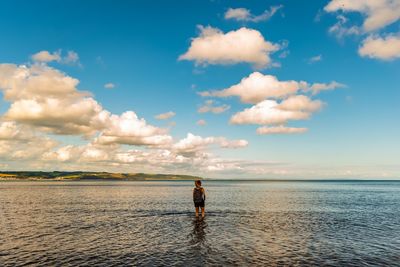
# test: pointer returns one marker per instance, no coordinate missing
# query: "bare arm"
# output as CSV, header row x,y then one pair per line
x,y
204,193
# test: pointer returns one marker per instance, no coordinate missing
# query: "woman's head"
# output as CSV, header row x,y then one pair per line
x,y
197,183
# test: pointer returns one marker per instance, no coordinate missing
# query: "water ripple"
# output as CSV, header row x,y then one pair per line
x,y
153,224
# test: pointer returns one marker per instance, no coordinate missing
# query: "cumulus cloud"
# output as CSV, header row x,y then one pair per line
x,y
258,87
274,102
210,107
272,112
213,46
386,48
19,142
165,116
280,130
90,152
243,14
109,85
45,98
378,14
300,102
129,129
194,143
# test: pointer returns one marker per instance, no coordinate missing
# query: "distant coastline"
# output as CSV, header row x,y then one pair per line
x,y
80,175
108,176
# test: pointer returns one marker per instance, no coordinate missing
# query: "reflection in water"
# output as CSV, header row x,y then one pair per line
x,y
198,233
153,224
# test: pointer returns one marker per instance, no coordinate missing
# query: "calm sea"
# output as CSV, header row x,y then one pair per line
x,y
246,224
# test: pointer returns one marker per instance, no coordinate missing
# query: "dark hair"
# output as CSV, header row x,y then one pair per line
x,y
197,182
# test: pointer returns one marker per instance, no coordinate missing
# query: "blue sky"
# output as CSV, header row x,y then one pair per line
x,y
135,45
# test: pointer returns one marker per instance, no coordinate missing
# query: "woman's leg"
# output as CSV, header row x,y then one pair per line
x,y
202,211
197,211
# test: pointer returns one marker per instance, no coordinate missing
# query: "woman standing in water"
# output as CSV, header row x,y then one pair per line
x,y
199,198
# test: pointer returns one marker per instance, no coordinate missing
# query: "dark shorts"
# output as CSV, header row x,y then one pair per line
x,y
199,204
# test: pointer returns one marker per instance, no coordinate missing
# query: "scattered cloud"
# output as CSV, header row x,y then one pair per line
x,y
284,54
340,29
71,58
209,107
384,48
48,100
315,59
378,14
243,14
45,101
46,57
280,130
318,87
109,85
165,116
201,122
213,46
274,102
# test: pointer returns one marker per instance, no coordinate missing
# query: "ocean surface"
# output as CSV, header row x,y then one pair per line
x,y
153,224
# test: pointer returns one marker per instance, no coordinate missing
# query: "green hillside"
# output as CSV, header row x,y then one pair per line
x,y
78,175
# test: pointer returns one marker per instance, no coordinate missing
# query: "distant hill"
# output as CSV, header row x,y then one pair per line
x,y
78,175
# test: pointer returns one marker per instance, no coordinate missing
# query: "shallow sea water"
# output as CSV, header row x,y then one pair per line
x,y
153,224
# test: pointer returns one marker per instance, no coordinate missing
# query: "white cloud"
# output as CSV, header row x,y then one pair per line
x,y
19,142
386,48
165,116
258,87
194,143
59,116
265,91
46,56
201,122
209,107
300,102
280,130
109,85
243,14
318,87
340,28
213,46
71,58
378,13
315,59
47,99
271,112
129,129
240,14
